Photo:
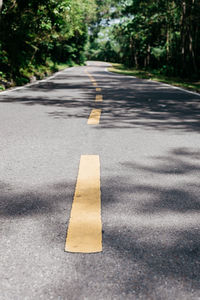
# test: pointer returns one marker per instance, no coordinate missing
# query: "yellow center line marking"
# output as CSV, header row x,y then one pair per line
x,y
94,117
99,98
98,89
85,228
91,78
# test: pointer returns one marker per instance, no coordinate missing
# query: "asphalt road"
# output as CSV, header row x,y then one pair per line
x,y
148,142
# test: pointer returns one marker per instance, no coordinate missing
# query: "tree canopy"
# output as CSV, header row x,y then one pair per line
x,y
35,31
152,34
161,34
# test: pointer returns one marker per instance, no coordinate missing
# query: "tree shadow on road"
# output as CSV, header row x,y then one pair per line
x,y
128,102
155,235
151,238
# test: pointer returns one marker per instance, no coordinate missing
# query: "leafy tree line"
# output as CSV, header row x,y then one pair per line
x,y
160,34
36,33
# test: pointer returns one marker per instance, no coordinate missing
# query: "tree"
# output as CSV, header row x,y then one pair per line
x,y
35,31
162,34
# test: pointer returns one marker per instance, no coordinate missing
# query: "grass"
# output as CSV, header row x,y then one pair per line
x,y
32,73
155,75
54,67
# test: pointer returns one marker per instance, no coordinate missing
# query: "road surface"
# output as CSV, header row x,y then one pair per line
x,y
145,136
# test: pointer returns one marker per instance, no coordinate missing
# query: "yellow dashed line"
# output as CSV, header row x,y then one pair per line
x,y
85,228
91,78
94,117
99,98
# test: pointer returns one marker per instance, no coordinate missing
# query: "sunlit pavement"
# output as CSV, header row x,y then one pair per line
x,y
147,139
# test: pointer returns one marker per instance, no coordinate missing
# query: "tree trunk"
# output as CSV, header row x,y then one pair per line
x,y
183,34
168,32
148,55
167,43
136,59
145,62
192,52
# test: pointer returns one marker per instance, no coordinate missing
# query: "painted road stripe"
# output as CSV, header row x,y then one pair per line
x,y
99,98
85,228
98,89
94,117
91,78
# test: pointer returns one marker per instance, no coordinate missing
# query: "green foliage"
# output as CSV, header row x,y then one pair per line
x,y
155,34
155,75
158,52
151,34
33,32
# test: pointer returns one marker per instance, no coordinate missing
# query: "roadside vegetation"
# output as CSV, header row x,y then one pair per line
x,y
31,73
155,39
37,37
157,76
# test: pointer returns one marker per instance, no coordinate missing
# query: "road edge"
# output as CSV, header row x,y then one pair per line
x,y
159,82
37,81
